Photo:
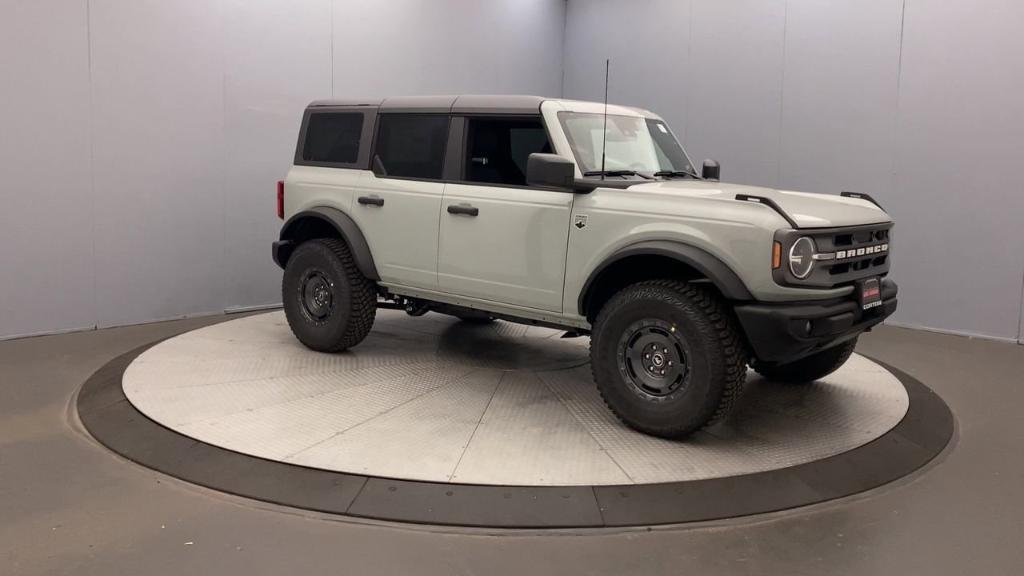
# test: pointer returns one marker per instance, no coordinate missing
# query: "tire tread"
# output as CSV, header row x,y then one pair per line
x,y
362,306
728,334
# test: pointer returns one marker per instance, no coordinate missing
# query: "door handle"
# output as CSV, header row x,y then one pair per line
x,y
371,200
463,209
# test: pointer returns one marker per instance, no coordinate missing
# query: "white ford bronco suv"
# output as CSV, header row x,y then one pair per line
x,y
583,217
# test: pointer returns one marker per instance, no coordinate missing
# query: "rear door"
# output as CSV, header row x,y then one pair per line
x,y
500,239
400,201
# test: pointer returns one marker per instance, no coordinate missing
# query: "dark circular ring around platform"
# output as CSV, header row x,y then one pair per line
x,y
108,415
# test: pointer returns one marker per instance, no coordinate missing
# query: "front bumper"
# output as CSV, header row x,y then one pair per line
x,y
778,332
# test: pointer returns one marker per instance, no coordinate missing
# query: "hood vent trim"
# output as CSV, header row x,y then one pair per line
x,y
769,203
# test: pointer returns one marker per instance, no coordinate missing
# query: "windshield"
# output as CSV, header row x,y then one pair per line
x,y
643,145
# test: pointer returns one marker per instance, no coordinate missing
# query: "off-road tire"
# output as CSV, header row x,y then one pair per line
x,y
811,368
353,302
716,357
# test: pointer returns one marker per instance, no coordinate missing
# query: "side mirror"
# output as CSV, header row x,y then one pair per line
x,y
710,170
550,170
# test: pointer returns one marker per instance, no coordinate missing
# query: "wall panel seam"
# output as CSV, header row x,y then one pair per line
x,y
689,85
332,49
782,95
1020,311
225,294
91,127
899,84
565,41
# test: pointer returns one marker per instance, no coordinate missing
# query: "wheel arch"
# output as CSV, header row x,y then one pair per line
x,y
326,222
635,263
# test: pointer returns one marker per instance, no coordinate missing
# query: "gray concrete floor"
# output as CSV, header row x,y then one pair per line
x,y
68,506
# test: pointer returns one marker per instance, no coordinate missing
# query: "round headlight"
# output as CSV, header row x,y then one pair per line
x,y
801,257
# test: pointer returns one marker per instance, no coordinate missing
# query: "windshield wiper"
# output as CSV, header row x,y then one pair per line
x,y
677,173
616,173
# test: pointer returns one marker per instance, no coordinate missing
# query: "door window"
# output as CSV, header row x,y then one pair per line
x,y
497,149
411,145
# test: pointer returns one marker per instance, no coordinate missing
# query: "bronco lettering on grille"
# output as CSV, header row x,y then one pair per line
x,y
865,251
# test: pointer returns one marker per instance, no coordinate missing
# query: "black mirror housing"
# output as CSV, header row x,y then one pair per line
x,y
550,171
710,170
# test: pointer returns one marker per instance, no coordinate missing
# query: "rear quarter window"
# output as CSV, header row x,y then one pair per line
x,y
333,138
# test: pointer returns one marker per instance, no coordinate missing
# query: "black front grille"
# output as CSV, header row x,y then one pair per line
x,y
857,265
861,237
848,269
856,255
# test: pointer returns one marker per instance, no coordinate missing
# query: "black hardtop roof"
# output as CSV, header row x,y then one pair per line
x,y
464,104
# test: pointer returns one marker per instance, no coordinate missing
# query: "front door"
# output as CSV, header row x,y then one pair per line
x,y
499,239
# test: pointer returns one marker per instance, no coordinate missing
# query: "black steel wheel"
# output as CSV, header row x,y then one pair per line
x,y
667,357
317,294
329,304
653,357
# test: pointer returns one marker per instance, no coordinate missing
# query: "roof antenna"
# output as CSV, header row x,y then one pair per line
x,y
604,139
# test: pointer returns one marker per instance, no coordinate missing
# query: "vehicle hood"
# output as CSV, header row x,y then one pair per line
x,y
808,210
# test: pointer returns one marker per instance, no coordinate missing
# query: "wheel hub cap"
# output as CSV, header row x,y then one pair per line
x,y
653,358
317,295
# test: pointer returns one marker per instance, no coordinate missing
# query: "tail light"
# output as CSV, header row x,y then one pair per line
x,y
280,199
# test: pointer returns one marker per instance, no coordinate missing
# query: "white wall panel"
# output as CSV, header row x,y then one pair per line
x,y
46,221
839,96
960,201
936,136
158,101
736,91
650,66
165,201
149,171
404,47
277,59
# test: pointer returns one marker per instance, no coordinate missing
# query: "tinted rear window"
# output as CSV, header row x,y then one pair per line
x,y
333,137
412,145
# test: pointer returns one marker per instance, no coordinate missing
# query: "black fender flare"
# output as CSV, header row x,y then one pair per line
x,y
718,272
342,223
